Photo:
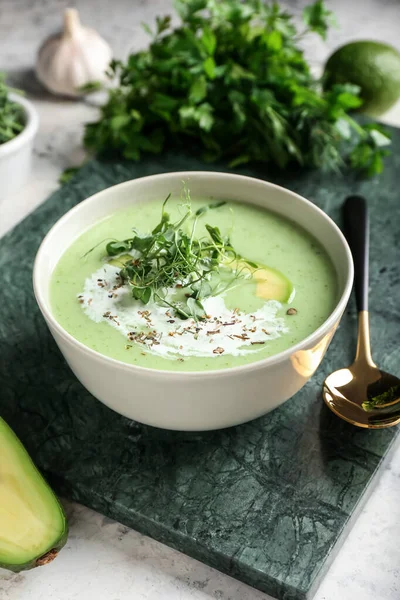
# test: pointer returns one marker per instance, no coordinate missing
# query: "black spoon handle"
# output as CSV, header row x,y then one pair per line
x,y
356,230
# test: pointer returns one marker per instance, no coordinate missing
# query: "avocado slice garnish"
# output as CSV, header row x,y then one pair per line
x,y
271,284
33,527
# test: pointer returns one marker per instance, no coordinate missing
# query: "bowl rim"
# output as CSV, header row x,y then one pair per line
x,y
28,132
280,357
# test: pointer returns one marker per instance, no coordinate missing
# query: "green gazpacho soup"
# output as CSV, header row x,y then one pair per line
x,y
193,286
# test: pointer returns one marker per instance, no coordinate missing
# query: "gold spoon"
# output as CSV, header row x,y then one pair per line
x,y
345,391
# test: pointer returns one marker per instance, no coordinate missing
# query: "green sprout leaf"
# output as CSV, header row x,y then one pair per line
x,y
115,248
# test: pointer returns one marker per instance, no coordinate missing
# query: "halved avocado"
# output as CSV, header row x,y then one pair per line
x,y
33,527
271,284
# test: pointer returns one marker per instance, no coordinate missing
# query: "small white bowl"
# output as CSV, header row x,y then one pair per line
x,y
196,400
16,155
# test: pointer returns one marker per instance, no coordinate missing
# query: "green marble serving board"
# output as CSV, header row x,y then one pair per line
x,y
266,502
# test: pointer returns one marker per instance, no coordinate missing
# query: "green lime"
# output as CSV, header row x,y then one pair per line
x,y
374,67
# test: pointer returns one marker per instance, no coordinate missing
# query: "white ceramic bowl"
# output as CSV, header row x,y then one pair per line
x,y
195,400
16,155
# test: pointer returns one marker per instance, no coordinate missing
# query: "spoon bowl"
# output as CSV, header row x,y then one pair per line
x,y
346,390
362,394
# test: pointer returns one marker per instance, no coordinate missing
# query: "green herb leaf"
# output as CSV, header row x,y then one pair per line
x,y
162,24
67,174
195,309
208,40
204,209
215,235
368,154
198,90
147,29
114,248
209,67
90,87
318,18
145,295
391,395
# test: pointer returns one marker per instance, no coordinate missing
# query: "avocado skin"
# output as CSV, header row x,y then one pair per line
x,y
374,67
42,559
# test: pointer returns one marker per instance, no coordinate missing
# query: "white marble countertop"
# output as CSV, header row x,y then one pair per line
x,y
102,559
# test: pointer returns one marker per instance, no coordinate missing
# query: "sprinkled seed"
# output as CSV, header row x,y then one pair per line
x,y
254,343
218,350
291,311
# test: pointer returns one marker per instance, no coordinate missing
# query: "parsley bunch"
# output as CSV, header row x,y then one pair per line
x,y
232,83
11,114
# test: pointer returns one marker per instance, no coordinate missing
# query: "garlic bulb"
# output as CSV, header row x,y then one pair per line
x,y
72,58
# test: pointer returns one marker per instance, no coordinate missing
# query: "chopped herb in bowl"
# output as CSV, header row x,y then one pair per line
x,y
19,123
12,114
